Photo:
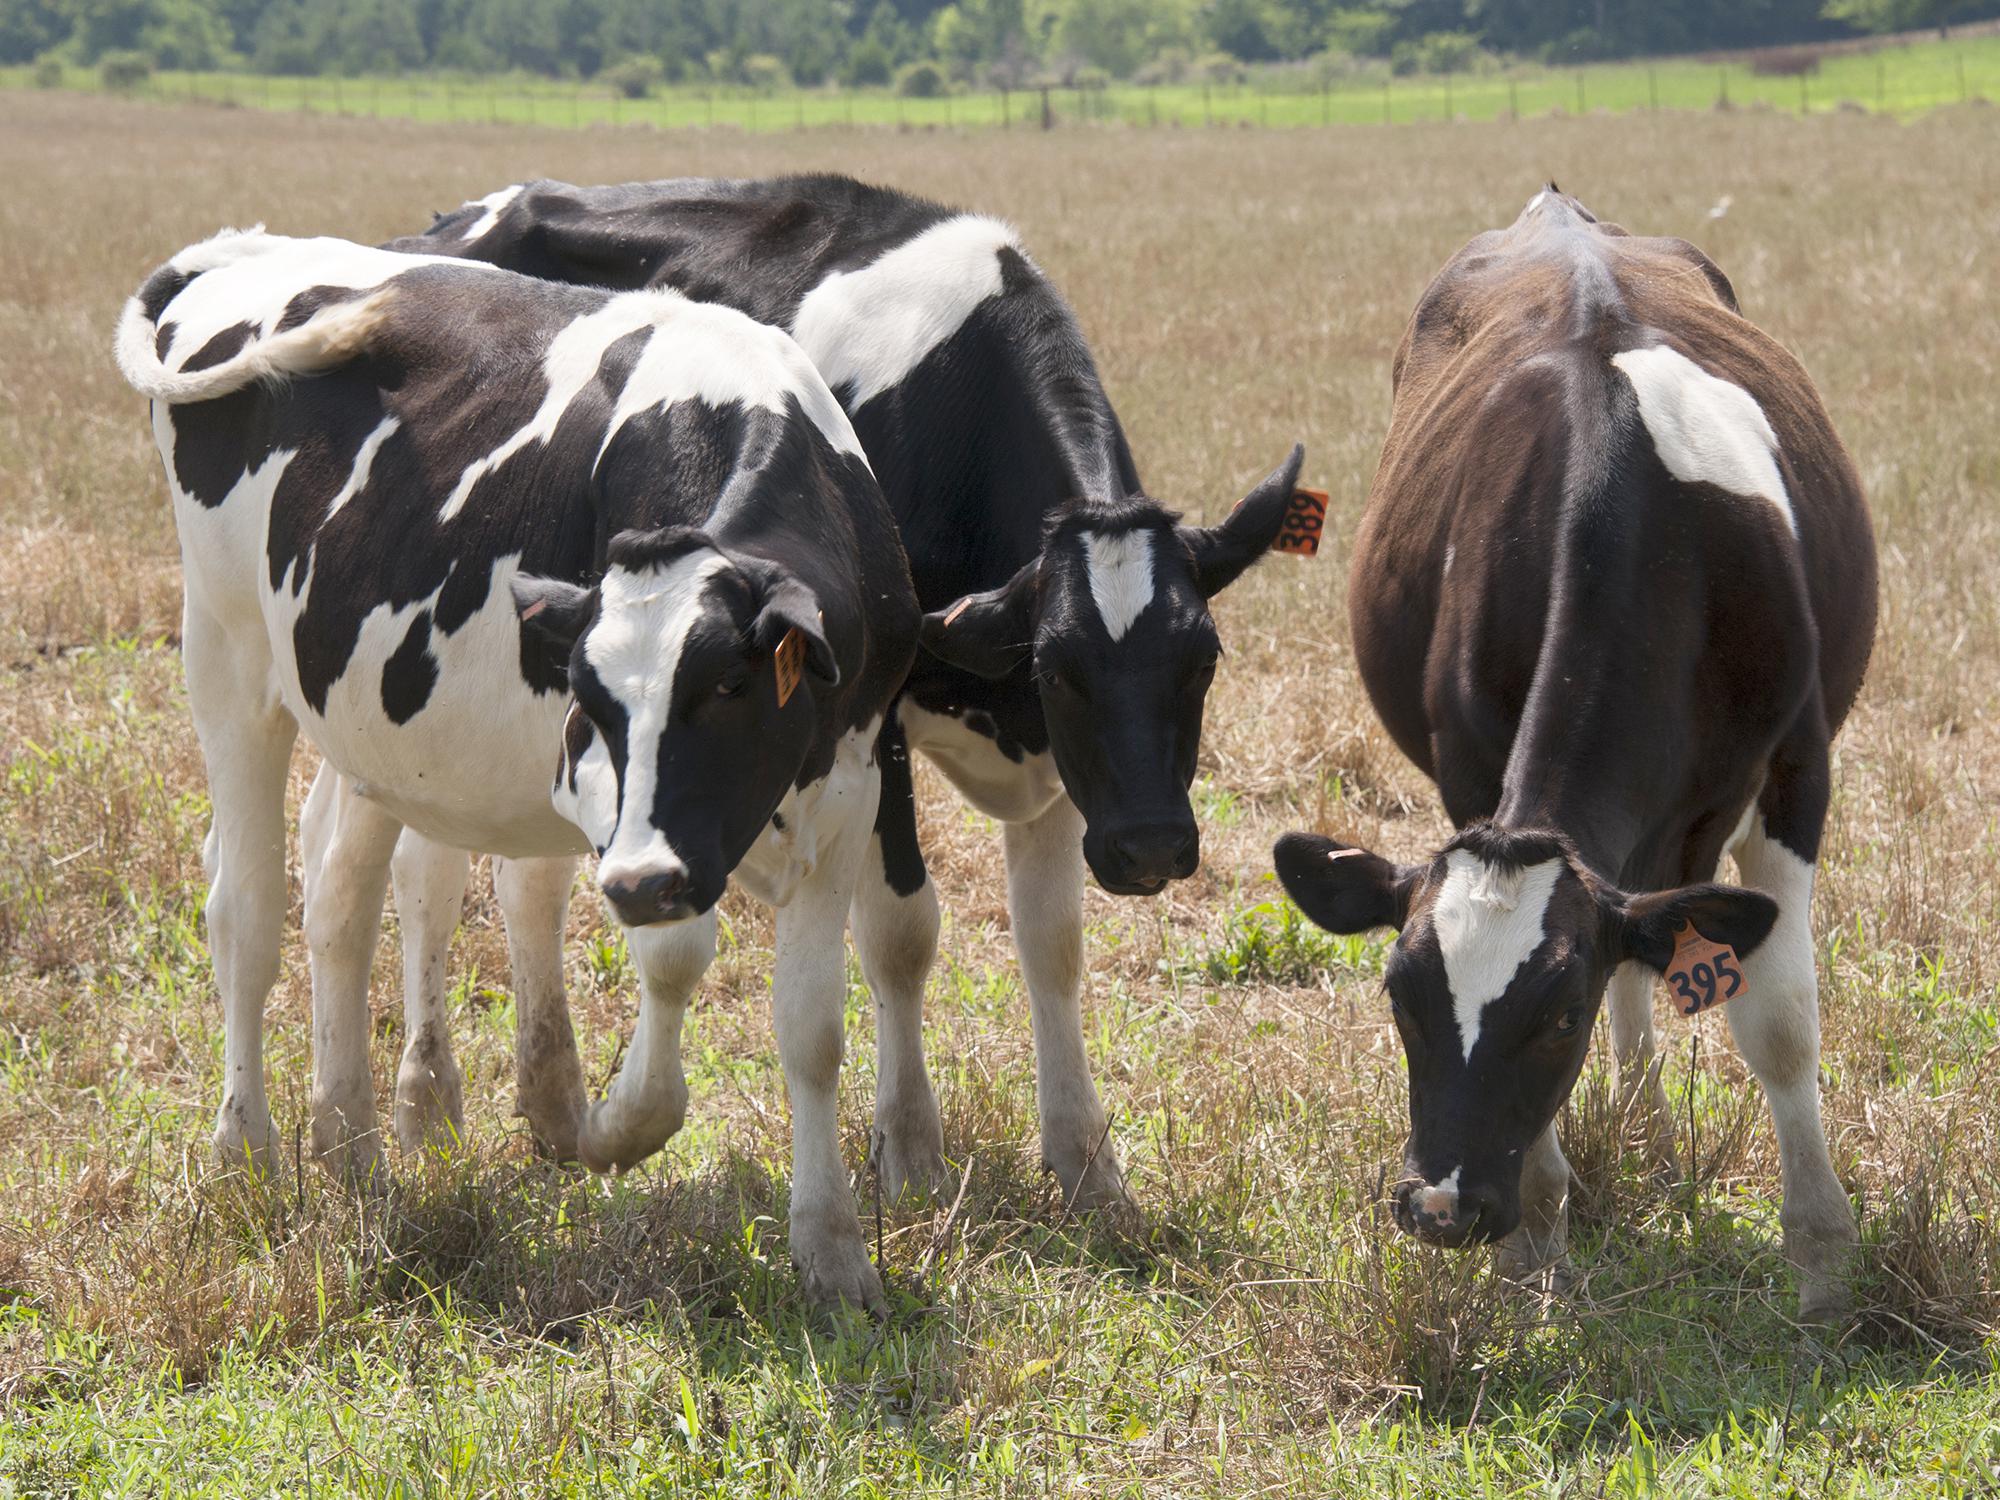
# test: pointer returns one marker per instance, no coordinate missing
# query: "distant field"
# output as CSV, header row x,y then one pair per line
x,y
1902,79
498,1327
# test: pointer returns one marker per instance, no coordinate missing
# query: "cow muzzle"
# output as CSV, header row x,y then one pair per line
x,y
1447,1214
643,899
1141,859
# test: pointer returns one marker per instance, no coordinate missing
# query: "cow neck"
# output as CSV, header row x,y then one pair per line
x,y
1584,758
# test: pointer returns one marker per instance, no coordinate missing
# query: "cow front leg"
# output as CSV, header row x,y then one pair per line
x,y
548,1075
347,842
895,919
1537,1250
429,880
647,1101
808,1000
1045,904
1775,1022
1642,1095
246,744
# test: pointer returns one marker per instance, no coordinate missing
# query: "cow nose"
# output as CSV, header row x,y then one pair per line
x,y
641,900
1155,853
1440,1213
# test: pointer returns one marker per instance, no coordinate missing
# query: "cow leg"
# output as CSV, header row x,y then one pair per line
x,y
808,1000
430,882
1045,903
347,842
895,920
1540,1245
1630,1001
548,1076
647,1101
246,738
1776,1025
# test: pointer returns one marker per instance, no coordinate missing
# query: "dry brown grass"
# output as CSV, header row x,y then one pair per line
x,y
1242,290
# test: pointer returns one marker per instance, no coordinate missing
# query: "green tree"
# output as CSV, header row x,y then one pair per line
x,y
1900,15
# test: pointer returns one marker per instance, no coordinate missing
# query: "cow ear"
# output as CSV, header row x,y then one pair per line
x,y
988,634
552,609
1648,925
1222,552
789,605
1341,888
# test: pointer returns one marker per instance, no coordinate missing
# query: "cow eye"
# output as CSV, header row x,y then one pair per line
x,y
1569,1020
732,686
1055,682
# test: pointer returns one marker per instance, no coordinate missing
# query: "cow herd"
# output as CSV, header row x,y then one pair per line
x,y
662,522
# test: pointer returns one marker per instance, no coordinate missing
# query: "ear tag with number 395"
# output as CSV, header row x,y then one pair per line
x,y
1703,974
789,659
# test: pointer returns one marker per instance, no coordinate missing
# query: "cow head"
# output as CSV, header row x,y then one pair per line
x,y
672,657
1506,943
1112,621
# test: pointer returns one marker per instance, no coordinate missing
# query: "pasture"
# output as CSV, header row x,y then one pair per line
x,y
494,1325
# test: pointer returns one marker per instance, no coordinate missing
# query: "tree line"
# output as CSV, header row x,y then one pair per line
x,y
933,43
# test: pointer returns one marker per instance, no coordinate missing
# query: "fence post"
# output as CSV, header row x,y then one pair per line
x,y
1722,82
1450,110
1386,120
1653,89
1579,91
1048,114
1207,114
1006,111
1881,84
1805,99
1326,101
1513,100
1959,57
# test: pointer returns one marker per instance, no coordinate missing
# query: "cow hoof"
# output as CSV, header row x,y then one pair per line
x,y
554,1105
616,1139
834,1270
910,1165
1091,1183
430,1104
245,1139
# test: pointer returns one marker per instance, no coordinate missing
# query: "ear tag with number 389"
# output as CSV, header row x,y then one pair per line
x,y
1703,974
789,660
1305,519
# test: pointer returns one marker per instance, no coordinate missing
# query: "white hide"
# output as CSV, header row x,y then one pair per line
x,y
1488,921
1706,430
868,329
1121,576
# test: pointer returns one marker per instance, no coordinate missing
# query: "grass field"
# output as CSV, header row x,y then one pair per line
x,y
1902,79
497,1327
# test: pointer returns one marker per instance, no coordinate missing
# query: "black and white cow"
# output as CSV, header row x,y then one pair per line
x,y
1070,646
422,502
1614,592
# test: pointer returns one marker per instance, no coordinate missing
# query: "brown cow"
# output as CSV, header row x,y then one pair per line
x,y
1614,592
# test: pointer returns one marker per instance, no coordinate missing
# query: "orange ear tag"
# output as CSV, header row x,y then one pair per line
x,y
1703,974
790,660
956,610
1305,518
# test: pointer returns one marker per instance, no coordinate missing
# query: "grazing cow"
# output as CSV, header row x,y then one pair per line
x,y
460,526
1070,646
1614,592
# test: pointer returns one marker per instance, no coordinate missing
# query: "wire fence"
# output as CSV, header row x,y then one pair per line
x,y
1900,81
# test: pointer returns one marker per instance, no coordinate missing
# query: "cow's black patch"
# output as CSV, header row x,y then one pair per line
x,y
224,347
161,288
163,337
410,673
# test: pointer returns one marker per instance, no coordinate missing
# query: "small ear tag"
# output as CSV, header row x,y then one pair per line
x,y
1703,974
1305,518
789,659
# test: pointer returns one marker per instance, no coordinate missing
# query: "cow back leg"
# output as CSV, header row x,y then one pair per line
x,y
1537,1250
246,738
1642,1096
647,1101
346,842
808,1003
548,1076
895,919
429,880
1775,1022
1045,904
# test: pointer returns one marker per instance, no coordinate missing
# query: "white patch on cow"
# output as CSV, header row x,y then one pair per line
x,y
1010,791
495,203
1707,430
1121,576
635,647
1450,556
1438,1200
706,352
868,329
364,463
1488,921
815,818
